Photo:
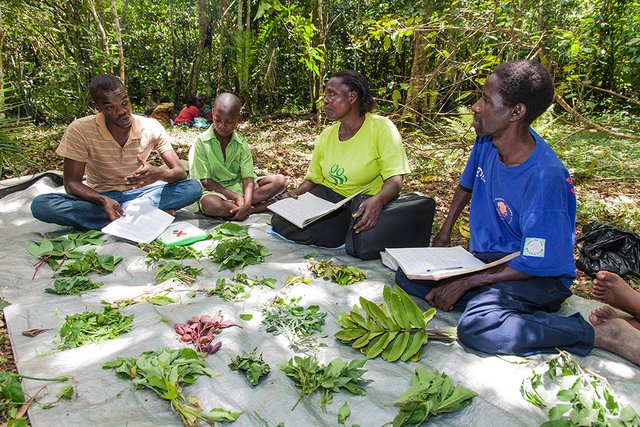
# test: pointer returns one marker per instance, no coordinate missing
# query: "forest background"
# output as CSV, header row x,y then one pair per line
x,y
425,62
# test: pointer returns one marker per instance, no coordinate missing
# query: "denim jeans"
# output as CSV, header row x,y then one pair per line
x,y
66,209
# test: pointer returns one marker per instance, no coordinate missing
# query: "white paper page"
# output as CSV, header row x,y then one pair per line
x,y
298,210
428,260
142,223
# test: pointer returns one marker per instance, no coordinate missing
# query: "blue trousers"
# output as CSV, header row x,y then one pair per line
x,y
514,317
66,209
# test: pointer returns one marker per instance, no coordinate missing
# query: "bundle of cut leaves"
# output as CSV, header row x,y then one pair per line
x,y
340,274
56,251
229,291
310,376
295,322
252,364
161,298
397,330
72,285
201,330
175,270
430,394
93,327
167,372
584,398
254,281
89,261
235,247
157,250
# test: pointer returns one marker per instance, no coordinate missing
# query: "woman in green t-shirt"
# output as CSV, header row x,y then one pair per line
x,y
360,151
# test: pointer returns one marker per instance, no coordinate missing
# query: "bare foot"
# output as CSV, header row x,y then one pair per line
x,y
618,336
613,290
262,206
604,313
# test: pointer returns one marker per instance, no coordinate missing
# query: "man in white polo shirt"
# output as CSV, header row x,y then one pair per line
x,y
112,148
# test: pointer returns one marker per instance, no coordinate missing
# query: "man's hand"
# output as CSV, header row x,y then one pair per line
x,y
441,240
241,211
368,214
112,209
444,297
145,174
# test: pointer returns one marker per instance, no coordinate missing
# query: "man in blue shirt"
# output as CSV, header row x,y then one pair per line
x,y
522,199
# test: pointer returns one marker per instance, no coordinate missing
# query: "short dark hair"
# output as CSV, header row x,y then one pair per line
x,y
357,83
103,83
526,82
164,99
191,100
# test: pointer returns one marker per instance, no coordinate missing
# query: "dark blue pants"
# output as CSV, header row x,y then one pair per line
x,y
514,317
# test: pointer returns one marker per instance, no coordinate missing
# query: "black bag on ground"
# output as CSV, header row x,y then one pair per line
x,y
404,223
603,247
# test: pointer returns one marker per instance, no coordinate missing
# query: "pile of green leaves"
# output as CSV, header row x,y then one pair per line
x,y
93,327
340,274
254,281
397,330
235,247
73,285
252,364
310,376
157,250
430,394
229,291
12,397
295,322
175,270
89,261
167,372
238,251
585,398
159,299
56,251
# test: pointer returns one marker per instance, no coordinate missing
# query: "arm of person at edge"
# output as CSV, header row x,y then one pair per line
x,y
369,211
148,174
445,296
73,171
303,188
243,210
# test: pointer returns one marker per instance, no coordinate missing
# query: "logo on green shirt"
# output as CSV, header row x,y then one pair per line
x,y
337,174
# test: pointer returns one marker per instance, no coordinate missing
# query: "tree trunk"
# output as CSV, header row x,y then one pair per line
x,y
319,42
103,40
2,114
196,66
116,22
415,101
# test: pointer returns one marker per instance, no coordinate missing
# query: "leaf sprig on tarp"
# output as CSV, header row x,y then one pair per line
x,y
72,285
13,406
174,270
309,376
584,398
167,372
57,250
340,274
92,327
295,322
157,251
230,291
397,330
236,247
89,261
430,394
252,364
201,330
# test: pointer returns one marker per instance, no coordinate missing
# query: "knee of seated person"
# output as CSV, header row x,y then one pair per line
x,y
40,206
281,182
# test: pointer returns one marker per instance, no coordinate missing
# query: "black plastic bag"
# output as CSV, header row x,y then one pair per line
x,y
603,247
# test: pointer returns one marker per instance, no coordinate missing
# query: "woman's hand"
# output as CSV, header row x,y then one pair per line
x,y
368,214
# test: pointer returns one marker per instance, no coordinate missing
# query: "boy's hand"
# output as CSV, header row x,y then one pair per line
x,y
241,212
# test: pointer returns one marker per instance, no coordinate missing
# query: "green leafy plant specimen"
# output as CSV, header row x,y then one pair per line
x,y
252,364
584,398
72,285
295,322
240,251
156,251
397,330
309,376
229,229
174,270
167,372
56,251
89,261
340,274
430,394
12,397
93,327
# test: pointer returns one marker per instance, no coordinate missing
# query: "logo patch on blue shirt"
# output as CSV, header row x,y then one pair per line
x,y
533,246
